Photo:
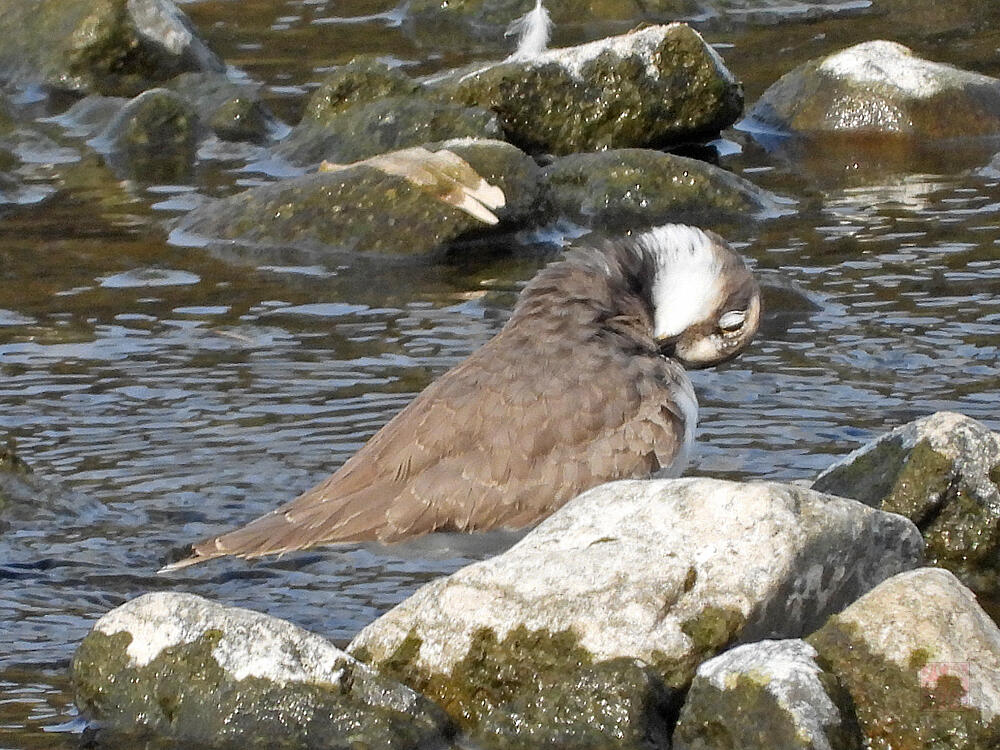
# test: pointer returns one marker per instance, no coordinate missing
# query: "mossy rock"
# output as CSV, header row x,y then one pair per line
x,y
624,188
190,693
929,680
650,88
361,81
936,472
112,47
233,111
880,88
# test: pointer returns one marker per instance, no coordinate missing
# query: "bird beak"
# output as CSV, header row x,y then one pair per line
x,y
667,345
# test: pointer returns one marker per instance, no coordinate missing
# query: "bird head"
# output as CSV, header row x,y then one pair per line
x,y
705,302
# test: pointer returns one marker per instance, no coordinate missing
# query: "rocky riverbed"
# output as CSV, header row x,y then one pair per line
x,y
222,272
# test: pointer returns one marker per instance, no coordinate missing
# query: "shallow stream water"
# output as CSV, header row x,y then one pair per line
x,y
180,392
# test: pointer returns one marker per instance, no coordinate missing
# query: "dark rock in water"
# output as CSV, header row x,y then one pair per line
x,y
29,499
654,87
921,662
766,695
187,668
362,209
153,137
113,47
625,188
233,111
366,108
667,572
880,87
943,473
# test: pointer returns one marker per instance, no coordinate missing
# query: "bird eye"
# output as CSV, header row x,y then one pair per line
x,y
732,320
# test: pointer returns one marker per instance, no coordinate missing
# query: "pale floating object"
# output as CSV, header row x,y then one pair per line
x,y
443,174
533,31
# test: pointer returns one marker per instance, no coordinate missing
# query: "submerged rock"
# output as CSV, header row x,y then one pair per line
x,y
182,666
667,572
880,87
113,47
921,662
366,108
624,188
652,87
233,111
360,208
942,472
153,137
766,695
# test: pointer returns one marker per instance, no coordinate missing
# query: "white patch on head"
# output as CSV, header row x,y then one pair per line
x,y
686,285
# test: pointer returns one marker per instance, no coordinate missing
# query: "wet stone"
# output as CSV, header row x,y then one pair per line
x,y
183,667
765,695
366,108
112,47
880,87
625,188
362,209
649,88
921,662
233,111
667,572
938,471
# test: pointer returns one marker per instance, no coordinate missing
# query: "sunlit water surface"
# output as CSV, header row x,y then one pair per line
x,y
177,393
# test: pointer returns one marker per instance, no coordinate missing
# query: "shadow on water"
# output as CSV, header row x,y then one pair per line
x,y
185,390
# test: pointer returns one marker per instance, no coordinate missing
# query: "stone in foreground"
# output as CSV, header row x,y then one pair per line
x,y
666,572
187,668
362,209
111,47
883,88
766,695
625,188
648,88
921,661
942,472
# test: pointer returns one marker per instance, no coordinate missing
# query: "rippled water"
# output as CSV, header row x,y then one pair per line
x,y
176,393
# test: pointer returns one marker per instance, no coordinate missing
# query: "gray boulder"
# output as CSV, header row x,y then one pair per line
x,y
624,188
112,47
666,572
187,668
942,472
766,695
648,88
880,87
366,108
363,209
921,662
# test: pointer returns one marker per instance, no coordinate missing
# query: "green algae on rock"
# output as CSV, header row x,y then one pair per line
x,y
179,666
362,209
880,87
921,662
765,695
620,574
112,47
625,188
937,472
366,108
648,88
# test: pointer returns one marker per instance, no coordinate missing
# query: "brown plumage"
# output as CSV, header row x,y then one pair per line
x,y
574,391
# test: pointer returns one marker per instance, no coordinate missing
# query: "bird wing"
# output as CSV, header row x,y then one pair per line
x,y
505,438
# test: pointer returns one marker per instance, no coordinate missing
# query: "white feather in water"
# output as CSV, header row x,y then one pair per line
x,y
533,30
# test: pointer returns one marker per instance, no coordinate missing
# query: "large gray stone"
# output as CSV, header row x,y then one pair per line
x,y
766,695
667,572
625,188
942,472
651,87
921,662
362,209
883,88
184,667
113,47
